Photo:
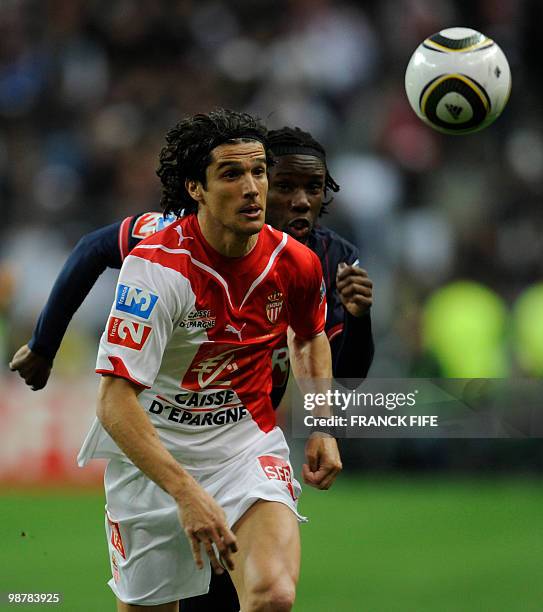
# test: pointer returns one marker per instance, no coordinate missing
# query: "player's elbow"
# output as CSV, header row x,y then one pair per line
x,y
89,253
88,242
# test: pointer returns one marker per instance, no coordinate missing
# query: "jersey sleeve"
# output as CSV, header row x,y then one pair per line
x,y
146,307
351,338
125,242
91,256
353,257
141,226
335,316
353,349
307,300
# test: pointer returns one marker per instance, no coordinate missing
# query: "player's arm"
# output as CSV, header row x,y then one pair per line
x,y
150,300
312,365
92,255
203,519
353,348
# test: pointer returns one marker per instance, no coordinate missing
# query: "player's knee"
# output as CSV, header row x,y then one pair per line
x,y
277,597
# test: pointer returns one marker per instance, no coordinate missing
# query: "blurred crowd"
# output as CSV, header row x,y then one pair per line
x,y
449,227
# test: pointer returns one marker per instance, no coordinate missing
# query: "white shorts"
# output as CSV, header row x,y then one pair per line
x,y
150,556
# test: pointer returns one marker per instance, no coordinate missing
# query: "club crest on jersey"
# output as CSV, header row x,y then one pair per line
x,y
130,334
274,306
137,302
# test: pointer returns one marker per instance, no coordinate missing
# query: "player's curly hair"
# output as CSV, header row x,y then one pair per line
x,y
187,152
294,141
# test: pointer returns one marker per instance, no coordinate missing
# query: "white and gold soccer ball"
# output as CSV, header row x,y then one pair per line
x,y
458,81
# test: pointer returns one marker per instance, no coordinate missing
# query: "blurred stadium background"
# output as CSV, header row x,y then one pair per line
x,y
449,229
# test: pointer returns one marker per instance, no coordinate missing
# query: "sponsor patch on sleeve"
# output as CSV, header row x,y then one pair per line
x,y
130,334
146,225
137,302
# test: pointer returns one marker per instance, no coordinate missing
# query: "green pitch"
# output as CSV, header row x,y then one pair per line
x,y
412,545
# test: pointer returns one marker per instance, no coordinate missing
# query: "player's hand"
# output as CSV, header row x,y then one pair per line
x,y
205,524
33,368
323,461
355,289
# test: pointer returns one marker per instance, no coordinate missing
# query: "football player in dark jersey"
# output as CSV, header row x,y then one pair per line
x,y
299,184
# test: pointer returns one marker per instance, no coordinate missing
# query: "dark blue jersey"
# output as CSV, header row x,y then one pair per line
x,y
350,337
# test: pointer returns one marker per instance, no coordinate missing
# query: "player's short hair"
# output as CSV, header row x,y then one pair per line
x,y
294,141
187,152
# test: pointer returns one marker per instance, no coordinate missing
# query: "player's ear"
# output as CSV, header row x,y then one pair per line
x,y
194,190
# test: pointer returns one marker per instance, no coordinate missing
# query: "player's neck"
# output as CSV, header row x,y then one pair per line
x,y
223,240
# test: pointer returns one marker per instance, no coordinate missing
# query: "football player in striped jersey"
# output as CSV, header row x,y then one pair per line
x,y
299,184
186,364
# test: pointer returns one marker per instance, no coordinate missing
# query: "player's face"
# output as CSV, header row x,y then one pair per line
x,y
236,188
296,193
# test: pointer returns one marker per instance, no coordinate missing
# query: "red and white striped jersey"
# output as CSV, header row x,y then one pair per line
x,y
196,330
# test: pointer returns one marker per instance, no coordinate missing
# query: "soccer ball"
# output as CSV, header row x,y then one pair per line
x,y
458,81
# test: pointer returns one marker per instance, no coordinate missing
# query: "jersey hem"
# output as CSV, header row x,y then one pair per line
x,y
311,336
